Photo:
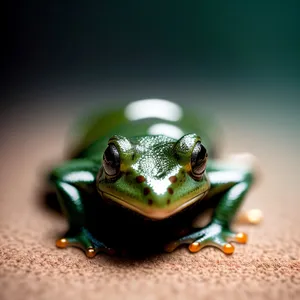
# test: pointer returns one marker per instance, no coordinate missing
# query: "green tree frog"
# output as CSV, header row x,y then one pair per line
x,y
139,176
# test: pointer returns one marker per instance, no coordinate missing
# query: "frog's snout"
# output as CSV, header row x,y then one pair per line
x,y
157,192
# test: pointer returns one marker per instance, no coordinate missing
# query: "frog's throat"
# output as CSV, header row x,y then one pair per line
x,y
155,213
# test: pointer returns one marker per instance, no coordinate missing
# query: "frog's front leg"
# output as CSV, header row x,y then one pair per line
x,y
231,182
72,181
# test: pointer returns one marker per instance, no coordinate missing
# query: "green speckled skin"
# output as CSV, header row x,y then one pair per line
x,y
147,191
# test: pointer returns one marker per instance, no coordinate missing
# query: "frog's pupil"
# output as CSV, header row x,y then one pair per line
x,y
111,160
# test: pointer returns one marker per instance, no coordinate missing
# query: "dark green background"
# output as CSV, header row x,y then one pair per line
x,y
60,41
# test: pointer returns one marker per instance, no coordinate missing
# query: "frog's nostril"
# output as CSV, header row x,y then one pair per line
x,y
173,179
140,179
150,201
170,191
146,191
168,201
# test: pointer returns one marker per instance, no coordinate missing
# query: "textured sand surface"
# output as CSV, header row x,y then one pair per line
x,y
31,267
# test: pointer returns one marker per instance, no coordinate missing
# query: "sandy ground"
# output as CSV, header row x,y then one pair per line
x,y
31,267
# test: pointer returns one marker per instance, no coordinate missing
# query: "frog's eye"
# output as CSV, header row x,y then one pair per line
x,y
111,160
198,160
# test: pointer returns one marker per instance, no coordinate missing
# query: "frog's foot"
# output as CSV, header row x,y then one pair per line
x,y
211,235
85,241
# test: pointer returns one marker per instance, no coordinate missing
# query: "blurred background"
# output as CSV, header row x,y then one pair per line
x,y
156,47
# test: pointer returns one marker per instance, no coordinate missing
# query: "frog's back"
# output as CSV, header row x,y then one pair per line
x,y
140,118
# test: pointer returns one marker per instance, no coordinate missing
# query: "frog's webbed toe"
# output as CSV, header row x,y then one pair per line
x,y
90,251
84,240
211,235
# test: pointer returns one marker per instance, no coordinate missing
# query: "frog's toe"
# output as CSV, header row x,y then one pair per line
x,y
75,241
239,237
188,239
84,241
62,243
90,252
195,247
217,241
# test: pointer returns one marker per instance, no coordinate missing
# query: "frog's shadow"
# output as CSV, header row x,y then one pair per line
x,y
50,202
134,237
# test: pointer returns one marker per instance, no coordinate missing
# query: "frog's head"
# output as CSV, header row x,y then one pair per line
x,y
155,176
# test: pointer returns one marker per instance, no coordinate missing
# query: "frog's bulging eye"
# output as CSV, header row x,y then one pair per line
x,y
198,160
111,160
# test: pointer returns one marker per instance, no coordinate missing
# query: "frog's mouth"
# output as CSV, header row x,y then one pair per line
x,y
155,213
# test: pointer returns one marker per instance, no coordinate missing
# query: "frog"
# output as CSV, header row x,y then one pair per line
x,y
139,176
